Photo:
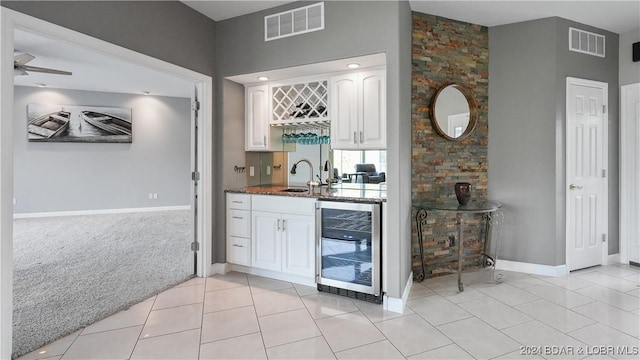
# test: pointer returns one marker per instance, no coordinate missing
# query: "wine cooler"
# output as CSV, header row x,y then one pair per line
x,y
348,249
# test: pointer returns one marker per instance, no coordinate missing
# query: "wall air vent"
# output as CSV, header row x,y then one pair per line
x,y
294,22
586,42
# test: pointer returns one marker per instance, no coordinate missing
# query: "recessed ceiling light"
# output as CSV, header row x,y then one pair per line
x,y
353,66
146,93
263,78
41,85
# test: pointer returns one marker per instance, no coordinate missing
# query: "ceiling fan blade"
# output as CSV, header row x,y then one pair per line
x,y
22,59
17,72
42,70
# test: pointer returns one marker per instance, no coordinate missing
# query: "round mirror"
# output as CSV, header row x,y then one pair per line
x,y
454,112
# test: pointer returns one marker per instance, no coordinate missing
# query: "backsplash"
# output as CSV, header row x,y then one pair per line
x,y
269,168
272,168
444,51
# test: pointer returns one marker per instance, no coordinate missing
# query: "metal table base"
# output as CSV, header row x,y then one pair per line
x,y
493,219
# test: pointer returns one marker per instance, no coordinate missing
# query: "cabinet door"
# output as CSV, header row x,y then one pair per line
x,y
299,244
344,111
257,118
266,243
373,114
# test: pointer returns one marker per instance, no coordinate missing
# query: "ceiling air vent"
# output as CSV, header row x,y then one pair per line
x,y
586,42
294,22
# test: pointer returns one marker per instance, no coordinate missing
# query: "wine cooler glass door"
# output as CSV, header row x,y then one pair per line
x,y
349,247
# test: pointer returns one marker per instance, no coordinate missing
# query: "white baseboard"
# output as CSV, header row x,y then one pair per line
x,y
397,304
613,259
529,268
296,279
98,212
219,268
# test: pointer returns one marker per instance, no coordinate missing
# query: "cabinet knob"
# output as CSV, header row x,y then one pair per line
x,y
236,245
238,217
574,187
361,137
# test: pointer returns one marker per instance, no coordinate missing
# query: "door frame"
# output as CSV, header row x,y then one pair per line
x,y
629,174
604,212
10,20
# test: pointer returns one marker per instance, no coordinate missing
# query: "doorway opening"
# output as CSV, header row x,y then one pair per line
x,y
198,197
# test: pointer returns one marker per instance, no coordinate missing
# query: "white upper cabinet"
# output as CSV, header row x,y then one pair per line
x,y
344,114
257,118
358,110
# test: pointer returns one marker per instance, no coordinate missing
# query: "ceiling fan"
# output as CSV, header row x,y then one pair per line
x,y
20,66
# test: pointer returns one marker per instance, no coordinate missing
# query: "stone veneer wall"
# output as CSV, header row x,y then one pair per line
x,y
443,51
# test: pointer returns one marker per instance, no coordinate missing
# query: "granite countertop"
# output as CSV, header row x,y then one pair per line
x,y
340,192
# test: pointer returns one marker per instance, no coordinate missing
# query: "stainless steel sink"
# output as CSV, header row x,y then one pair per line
x,y
294,190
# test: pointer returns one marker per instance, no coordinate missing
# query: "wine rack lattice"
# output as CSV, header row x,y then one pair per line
x,y
299,102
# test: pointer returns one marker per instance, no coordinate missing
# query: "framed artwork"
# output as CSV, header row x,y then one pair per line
x,y
72,123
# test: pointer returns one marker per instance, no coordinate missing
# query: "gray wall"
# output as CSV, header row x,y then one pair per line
x,y
233,112
571,63
629,70
352,28
167,30
527,81
87,176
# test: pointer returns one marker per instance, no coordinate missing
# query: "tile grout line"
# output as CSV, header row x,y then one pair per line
x,y
204,299
143,326
316,325
255,311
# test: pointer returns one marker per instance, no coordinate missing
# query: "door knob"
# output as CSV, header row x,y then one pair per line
x,y
574,187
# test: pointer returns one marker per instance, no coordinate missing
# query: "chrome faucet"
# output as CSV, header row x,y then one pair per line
x,y
311,183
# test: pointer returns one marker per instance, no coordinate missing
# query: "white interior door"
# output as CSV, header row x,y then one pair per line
x,y
630,173
586,190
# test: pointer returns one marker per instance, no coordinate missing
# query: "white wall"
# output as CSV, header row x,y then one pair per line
x,y
52,177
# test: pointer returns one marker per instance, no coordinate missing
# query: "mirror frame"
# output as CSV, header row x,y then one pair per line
x,y
473,112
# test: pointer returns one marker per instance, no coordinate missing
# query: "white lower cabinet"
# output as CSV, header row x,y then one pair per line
x,y
283,242
283,235
274,233
239,229
298,245
266,242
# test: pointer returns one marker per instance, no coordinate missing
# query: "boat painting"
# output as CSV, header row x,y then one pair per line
x,y
108,123
93,124
48,126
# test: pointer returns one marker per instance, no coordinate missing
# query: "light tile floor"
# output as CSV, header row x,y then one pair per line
x,y
592,313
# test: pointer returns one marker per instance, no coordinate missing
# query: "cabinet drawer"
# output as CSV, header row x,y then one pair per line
x,y
284,204
239,201
239,251
239,223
